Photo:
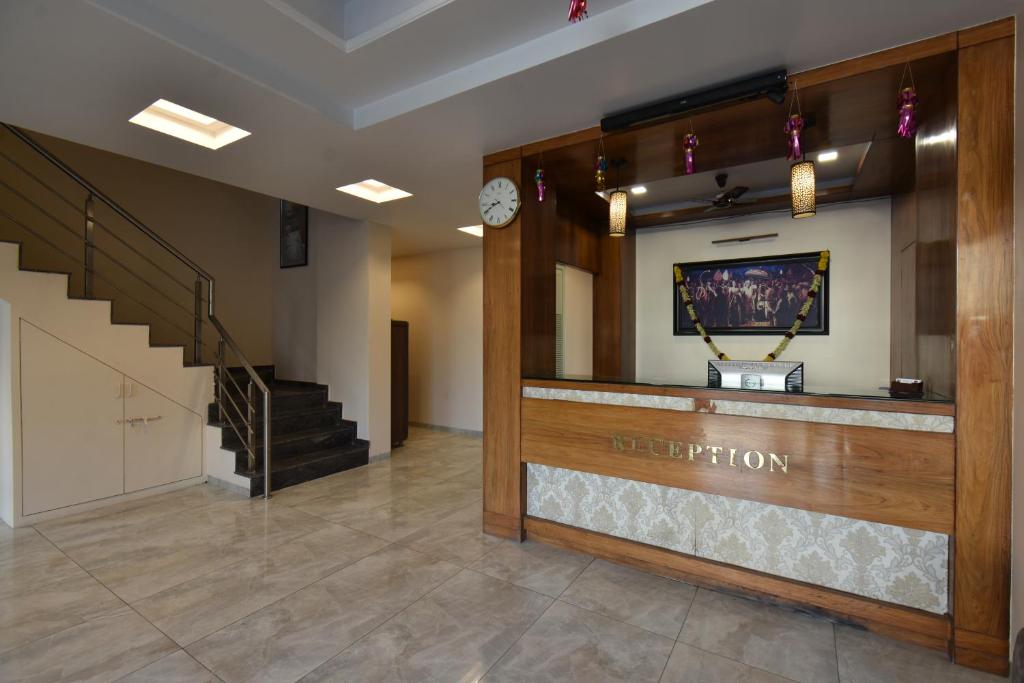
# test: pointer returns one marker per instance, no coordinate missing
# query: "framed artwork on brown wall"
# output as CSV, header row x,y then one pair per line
x,y
760,295
294,234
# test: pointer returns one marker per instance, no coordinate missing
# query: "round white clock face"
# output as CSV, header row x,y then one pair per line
x,y
499,202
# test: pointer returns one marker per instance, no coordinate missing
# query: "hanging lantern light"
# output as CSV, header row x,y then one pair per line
x,y
600,168
802,186
617,207
617,214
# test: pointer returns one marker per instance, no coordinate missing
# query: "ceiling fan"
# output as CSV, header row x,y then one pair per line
x,y
726,199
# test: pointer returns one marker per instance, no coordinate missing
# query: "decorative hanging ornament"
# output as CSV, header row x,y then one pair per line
x,y
577,10
794,126
906,105
538,178
600,168
689,144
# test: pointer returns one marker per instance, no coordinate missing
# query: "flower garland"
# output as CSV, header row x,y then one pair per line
x,y
800,317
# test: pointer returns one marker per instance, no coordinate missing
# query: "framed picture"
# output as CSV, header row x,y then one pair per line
x,y
294,234
751,296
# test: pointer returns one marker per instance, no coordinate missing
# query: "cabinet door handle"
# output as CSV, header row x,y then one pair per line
x,y
131,389
120,390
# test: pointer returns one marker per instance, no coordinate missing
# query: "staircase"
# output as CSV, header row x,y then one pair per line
x,y
101,277
309,436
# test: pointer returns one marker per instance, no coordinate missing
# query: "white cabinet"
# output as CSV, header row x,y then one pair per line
x,y
72,439
89,432
162,440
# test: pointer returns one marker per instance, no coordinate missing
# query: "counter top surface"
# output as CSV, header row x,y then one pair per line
x,y
877,399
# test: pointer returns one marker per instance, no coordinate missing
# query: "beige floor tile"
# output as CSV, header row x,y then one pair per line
x,y
103,649
28,561
290,638
177,667
638,598
107,522
453,634
787,643
33,614
399,518
197,608
448,493
152,558
572,644
349,499
457,538
867,658
692,665
536,566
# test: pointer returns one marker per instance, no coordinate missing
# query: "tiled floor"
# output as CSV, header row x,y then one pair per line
x,y
382,574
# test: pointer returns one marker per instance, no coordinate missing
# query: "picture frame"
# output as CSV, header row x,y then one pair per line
x,y
751,296
294,249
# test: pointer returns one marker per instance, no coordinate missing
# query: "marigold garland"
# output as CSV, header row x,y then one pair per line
x,y
812,294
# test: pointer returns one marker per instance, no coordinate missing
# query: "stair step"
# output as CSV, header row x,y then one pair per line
x,y
285,421
289,471
291,444
283,398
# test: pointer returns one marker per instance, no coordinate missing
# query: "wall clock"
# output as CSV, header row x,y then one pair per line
x,y
499,202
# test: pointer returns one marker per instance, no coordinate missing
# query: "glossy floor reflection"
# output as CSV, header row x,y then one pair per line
x,y
382,574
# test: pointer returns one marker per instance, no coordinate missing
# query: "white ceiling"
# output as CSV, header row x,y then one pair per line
x,y
410,92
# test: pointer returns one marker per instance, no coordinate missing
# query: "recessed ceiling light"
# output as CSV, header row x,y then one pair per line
x,y
477,230
374,191
830,155
183,123
638,189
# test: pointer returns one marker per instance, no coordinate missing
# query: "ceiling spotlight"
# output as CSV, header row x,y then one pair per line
x,y
830,155
638,189
475,230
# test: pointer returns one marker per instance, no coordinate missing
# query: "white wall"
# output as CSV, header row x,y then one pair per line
x,y
855,353
333,324
578,321
440,294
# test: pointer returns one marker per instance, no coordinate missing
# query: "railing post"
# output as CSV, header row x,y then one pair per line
x,y
197,341
251,426
266,445
220,380
90,226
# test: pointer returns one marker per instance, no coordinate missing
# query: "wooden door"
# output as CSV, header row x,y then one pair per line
x,y
399,382
71,412
163,441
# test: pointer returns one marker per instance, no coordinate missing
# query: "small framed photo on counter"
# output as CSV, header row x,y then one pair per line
x,y
294,234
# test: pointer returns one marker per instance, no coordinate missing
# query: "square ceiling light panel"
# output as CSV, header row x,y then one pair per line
x,y
183,123
374,191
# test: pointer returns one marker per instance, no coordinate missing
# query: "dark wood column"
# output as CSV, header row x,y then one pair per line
x,y
984,322
503,490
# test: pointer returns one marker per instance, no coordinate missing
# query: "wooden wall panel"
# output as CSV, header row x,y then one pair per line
x,y
984,319
615,309
503,505
896,477
539,229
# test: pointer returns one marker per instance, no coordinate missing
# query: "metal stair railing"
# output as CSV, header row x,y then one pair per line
x,y
241,415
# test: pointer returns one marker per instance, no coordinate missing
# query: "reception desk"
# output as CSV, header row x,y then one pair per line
x,y
838,503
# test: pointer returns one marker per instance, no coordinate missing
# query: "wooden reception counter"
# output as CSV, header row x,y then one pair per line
x,y
842,504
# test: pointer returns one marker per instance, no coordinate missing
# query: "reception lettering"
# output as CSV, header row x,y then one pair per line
x,y
695,452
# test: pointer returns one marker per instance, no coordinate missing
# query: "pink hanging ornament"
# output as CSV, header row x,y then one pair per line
x,y
794,126
689,144
538,178
577,10
907,107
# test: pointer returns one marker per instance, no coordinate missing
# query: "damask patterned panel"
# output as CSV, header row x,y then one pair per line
x,y
611,398
890,563
648,513
897,565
